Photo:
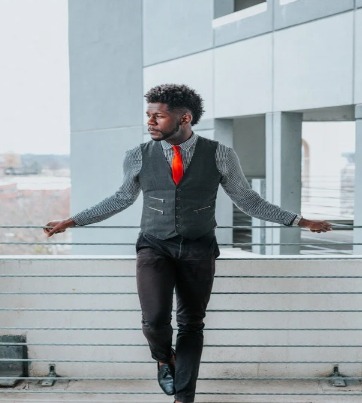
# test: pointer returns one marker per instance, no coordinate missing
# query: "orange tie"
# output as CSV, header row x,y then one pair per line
x,y
177,165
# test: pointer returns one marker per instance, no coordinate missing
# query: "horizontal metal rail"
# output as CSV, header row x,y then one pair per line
x,y
122,329
209,310
201,378
57,360
108,392
336,226
132,276
235,244
205,345
214,293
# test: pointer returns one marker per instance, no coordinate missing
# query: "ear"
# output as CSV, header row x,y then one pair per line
x,y
186,118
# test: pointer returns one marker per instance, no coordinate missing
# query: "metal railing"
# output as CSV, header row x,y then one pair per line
x,y
271,323
308,240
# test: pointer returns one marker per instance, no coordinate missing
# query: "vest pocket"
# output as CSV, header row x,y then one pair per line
x,y
155,209
199,210
157,198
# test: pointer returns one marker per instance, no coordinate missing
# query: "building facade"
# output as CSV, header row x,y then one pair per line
x,y
262,67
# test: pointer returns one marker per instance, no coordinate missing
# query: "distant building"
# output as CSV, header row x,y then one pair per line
x,y
34,169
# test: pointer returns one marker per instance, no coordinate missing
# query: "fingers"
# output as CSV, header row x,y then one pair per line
x,y
53,227
321,226
56,230
325,226
48,227
49,231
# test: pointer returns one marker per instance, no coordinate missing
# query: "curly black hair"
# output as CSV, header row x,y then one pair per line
x,y
177,96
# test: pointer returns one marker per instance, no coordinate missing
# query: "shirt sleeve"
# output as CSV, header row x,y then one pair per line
x,y
123,198
238,189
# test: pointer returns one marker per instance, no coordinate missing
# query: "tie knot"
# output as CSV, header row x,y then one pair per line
x,y
176,149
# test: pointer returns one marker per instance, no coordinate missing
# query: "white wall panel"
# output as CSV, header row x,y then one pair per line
x,y
313,64
301,11
194,71
173,28
243,77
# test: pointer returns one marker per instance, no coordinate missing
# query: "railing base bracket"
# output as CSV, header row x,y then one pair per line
x,y
336,378
51,378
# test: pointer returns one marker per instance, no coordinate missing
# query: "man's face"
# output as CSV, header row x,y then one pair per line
x,y
162,123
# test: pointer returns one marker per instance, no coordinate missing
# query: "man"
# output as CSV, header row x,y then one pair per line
x,y
179,174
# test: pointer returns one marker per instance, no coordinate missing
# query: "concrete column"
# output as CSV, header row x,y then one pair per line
x,y
106,97
223,132
249,144
283,175
357,233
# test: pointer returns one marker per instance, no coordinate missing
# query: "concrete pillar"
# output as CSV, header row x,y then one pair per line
x,y
223,132
249,144
283,175
106,97
357,233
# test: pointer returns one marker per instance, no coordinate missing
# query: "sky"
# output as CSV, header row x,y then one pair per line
x,y
34,77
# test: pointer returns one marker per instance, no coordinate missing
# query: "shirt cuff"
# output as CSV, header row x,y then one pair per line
x,y
296,220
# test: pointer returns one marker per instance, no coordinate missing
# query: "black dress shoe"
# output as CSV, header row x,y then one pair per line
x,y
166,375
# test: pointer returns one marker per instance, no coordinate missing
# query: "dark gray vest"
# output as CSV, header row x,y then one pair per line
x,y
187,209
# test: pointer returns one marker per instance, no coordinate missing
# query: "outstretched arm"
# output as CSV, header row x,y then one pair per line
x,y
122,199
246,199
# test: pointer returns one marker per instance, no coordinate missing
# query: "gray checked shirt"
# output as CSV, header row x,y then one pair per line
x,y
233,182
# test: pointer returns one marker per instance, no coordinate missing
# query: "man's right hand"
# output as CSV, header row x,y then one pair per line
x,y
55,227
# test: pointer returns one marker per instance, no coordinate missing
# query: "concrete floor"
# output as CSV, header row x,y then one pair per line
x,y
148,391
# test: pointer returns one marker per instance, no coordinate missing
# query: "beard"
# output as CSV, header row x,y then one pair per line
x,y
168,134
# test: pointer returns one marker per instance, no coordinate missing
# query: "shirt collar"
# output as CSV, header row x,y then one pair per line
x,y
186,145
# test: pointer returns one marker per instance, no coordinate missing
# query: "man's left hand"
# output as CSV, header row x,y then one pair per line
x,y
315,225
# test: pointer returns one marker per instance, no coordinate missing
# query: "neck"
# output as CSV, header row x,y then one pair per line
x,y
184,136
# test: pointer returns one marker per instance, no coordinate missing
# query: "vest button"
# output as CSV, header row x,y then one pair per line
x,y
178,190
178,207
178,225
178,198
177,216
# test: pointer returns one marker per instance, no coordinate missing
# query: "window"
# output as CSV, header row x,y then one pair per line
x,y
242,4
235,10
